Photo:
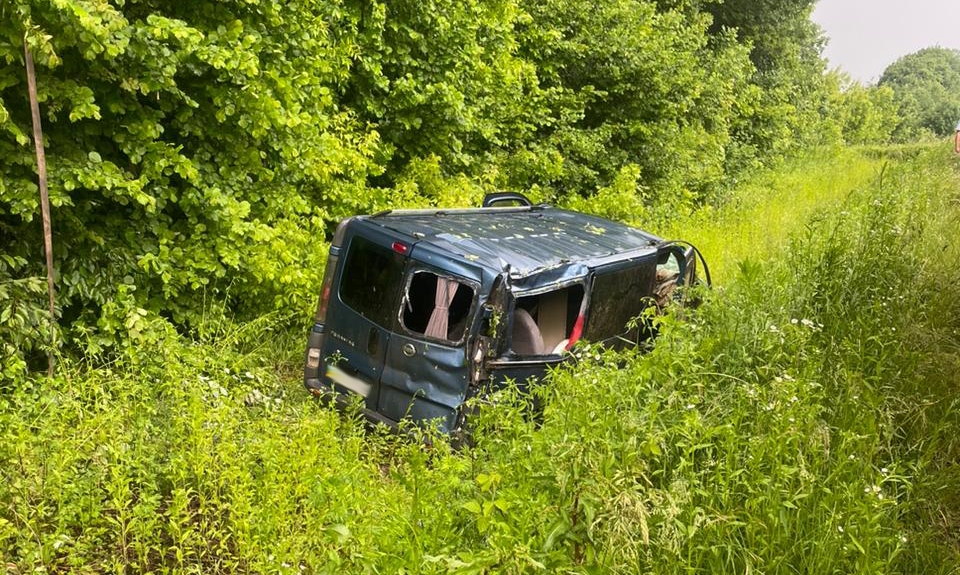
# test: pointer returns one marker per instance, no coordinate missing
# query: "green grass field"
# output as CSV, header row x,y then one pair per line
x,y
763,213
804,419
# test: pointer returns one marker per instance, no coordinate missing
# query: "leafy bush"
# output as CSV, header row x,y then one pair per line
x,y
862,114
24,321
195,151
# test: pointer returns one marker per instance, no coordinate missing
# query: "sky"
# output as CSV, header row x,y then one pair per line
x,y
866,36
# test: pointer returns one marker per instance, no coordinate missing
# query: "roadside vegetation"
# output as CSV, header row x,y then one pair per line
x,y
803,418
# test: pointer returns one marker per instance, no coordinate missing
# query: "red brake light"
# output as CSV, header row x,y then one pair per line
x,y
324,300
400,248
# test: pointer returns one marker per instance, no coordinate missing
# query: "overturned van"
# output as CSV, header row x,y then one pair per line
x,y
420,310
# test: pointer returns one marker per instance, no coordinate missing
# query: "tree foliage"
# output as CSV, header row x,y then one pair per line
x,y
633,86
200,152
861,114
785,50
926,85
191,146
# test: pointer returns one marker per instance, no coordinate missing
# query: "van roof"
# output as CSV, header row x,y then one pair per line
x,y
528,239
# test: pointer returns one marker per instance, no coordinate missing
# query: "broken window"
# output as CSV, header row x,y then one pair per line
x,y
437,306
544,323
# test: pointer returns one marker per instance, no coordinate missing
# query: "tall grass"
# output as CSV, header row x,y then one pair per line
x,y
802,420
759,218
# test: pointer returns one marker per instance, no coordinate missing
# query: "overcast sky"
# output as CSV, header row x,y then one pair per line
x,y
866,36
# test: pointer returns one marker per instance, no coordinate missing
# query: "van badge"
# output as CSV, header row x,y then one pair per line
x,y
343,339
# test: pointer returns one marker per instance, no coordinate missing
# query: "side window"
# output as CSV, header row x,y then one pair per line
x,y
371,280
437,307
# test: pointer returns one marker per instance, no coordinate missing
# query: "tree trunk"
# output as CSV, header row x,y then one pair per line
x,y
44,200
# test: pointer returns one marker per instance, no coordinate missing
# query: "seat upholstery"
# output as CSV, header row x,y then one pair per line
x,y
526,338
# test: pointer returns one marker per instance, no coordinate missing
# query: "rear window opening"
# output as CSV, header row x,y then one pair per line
x,y
437,307
543,323
668,276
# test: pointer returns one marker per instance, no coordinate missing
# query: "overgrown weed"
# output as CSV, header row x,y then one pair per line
x,y
802,419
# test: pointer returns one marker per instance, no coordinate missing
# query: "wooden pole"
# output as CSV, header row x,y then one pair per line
x,y
44,199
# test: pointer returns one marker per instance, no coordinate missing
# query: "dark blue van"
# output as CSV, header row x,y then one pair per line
x,y
422,309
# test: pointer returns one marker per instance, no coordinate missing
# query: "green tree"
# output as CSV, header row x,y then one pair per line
x,y
440,79
785,48
926,86
861,114
195,149
627,85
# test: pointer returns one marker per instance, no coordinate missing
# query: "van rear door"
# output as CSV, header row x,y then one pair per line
x,y
426,372
363,312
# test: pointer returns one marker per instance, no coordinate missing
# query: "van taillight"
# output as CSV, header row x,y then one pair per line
x,y
324,302
325,290
330,270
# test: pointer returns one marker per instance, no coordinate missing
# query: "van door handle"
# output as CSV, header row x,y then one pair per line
x,y
373,341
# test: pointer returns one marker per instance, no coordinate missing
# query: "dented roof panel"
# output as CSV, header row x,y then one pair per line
x,y
530,240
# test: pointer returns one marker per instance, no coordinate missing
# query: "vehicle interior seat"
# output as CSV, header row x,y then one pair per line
x,y
526,338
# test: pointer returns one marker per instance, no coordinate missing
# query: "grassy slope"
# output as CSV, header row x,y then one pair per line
x,y
799,421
